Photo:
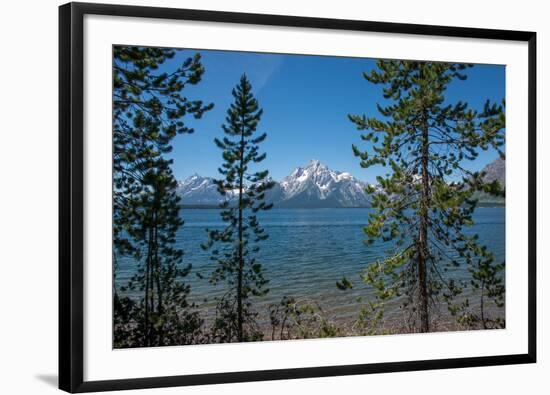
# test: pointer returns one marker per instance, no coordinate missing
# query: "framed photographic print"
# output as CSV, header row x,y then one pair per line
x,y
251,197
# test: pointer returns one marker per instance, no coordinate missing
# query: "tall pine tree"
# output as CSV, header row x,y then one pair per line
x,y
426,198
148,111
235,248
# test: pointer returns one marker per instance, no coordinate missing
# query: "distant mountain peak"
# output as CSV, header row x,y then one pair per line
x,y
495,171
315,164
314,185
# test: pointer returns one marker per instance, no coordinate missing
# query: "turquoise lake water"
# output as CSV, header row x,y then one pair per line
x,y
307,251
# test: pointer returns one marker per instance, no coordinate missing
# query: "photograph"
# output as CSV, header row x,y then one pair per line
x,y
278,196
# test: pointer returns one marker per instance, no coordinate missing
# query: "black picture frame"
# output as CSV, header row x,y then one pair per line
x,y
71,195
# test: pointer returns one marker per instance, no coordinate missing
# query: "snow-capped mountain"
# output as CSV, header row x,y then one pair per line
x,y
314,185
197,190
318,186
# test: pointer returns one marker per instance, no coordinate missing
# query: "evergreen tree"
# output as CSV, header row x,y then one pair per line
x,y
426,198
163,317
148,112
300,319
488,281
237,245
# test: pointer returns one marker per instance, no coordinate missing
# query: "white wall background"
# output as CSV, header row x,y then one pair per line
x,y
28,195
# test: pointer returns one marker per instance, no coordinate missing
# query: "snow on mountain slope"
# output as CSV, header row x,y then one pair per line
x,y
318,186
197,190
314,185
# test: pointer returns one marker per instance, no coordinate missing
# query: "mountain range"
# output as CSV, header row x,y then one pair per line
x,y
311,186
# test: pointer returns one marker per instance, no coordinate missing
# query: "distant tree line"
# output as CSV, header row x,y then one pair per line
x,y
420,211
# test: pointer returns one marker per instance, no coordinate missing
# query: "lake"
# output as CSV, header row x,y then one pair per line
x,y
307,251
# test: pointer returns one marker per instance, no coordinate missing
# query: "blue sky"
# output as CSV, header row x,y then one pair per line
x,y
306,100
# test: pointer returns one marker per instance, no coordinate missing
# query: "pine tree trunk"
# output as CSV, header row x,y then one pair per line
x,y
158,273
241,263
423,234
148,280
482,307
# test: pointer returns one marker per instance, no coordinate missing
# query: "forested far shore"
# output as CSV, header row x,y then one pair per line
x,y
214,206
